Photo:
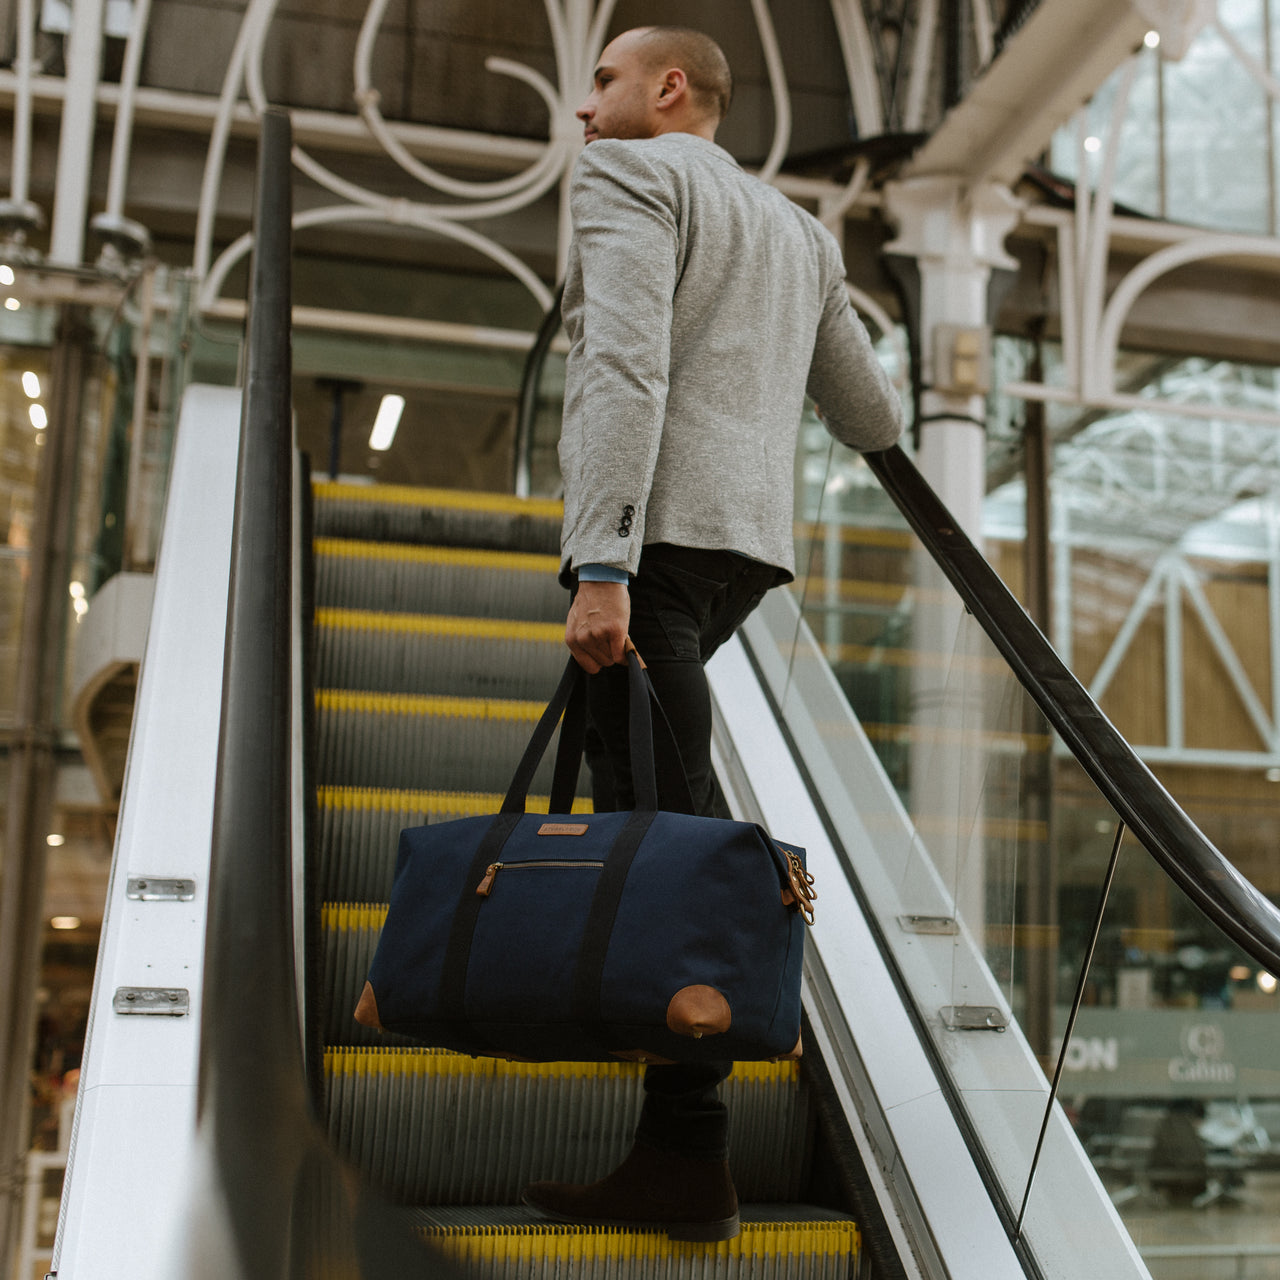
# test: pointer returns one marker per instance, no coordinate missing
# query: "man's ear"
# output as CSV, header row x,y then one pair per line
x,y
674,88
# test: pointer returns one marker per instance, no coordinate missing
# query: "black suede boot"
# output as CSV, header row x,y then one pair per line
x,y
651,1190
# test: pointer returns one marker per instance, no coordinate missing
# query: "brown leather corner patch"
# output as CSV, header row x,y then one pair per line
x,y
699,1011
367,1010
563,829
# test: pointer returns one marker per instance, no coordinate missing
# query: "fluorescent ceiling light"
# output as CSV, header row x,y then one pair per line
x,y
385,424
39,419
6,274
31,384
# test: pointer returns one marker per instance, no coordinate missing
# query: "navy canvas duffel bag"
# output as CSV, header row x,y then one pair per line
x,y
647,935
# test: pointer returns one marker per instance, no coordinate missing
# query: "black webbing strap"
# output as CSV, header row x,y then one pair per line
x,y
643,731
518,791
644,777
573,735
603,912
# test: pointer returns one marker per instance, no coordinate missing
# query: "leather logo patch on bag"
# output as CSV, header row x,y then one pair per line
x,y
563,829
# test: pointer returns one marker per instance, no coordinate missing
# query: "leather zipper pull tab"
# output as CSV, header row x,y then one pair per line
x,y
485,887
802,895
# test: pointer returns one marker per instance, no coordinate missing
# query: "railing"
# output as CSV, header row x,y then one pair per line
x,y
286,1205
1200,870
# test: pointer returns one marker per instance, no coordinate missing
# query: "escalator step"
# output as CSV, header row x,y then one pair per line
x,y
437,517
430,743
432,1127
436,654
360,829
406,579
777,1242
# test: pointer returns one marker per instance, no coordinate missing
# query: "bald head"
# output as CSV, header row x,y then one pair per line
x,y
698,56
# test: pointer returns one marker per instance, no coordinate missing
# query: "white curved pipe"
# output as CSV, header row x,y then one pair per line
x,y
833,214
1158,264
1083,197
401,212
20,180
325,177
367,98
984,33
778,84
123,136
258,12
566,68
859,66
921,65
595,38
1092,371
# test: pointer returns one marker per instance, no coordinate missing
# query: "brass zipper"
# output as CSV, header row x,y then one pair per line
x,y
485,887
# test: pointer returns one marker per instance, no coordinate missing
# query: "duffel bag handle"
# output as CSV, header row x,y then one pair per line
x,y
569,702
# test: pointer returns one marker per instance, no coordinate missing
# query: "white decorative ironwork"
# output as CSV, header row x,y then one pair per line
x,y
577,29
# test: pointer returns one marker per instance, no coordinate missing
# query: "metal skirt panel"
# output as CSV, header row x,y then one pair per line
x,y
430,1127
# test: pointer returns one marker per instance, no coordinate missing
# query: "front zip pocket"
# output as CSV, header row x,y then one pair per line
x,y
485,887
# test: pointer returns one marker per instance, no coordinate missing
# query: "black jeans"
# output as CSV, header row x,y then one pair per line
x,y
685,603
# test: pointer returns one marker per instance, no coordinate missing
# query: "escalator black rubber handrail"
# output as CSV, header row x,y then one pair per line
x,y
252,1095
527,406
288,1204
1180,848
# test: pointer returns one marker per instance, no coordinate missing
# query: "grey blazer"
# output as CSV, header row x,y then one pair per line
x,y
700,305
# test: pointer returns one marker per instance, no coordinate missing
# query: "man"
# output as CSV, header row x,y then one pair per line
x,y
700,305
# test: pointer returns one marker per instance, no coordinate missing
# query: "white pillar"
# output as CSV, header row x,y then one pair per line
x,y
955,236
75,142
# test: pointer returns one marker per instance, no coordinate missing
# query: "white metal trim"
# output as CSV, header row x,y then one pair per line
x,y
135,1113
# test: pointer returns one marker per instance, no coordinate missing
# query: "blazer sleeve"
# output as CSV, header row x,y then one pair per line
x,y
626,230
847,381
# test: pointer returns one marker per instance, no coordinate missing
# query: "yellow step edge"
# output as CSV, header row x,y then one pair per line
x,y
463,803
456,499
384,1062
463,557
440,625
351,917
416,704
562,1243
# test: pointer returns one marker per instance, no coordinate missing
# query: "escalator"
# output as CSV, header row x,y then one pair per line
x,y
438,634
918,1137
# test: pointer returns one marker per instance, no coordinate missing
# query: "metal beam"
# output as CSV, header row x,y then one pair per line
x,y
1054,63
